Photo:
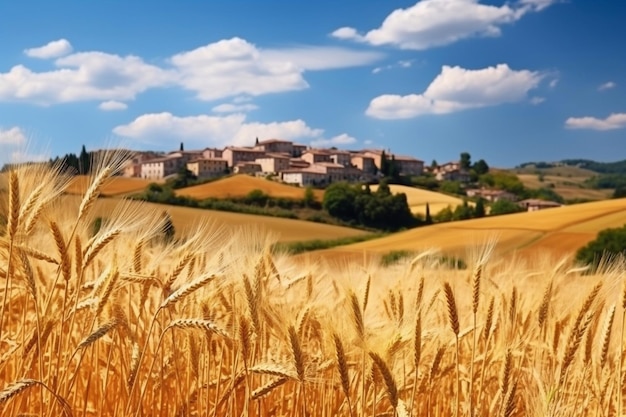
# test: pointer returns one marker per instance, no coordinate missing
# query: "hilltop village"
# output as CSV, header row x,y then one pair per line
x,y
289,162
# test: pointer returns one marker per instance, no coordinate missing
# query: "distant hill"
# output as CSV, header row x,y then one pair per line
x,y
558,231
617,167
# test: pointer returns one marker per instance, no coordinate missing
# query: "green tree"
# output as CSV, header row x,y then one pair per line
x,y
608,243
428,219
451,187
462,212
480,167
309,197
339,200
465,161
620,192
479,209
83,162
384,164
504,207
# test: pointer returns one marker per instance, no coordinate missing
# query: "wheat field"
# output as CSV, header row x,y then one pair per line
x,y
417,199
114,186
123,323
557,232
241,184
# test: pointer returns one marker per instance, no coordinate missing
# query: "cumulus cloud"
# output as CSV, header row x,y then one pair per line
x,y
456,89
13,136
52,49
339,140
233,67
226,68
81,77
112,105
607,86
234,108
205,130
432,23
612,122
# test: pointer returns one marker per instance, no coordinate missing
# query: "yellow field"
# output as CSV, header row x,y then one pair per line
x,y
185,218
558,231
123,323
113,187
567,187
418,198
241,185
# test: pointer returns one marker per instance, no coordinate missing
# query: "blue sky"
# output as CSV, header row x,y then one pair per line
x,y
506,81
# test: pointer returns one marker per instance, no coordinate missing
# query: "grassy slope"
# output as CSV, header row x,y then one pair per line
x,y
566,181
113,187
241,185
288,230
417,199
559,231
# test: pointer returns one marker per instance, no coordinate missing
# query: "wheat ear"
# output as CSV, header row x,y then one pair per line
x,y
390,384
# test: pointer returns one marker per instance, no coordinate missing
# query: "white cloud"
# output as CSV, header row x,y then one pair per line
x,y
234,108
432,23
52,49
612,122
399,64
537,100
233,67
204,130
81,77
13,136
553,83
226,68
112,105
607,86
456,89
339,140
316,58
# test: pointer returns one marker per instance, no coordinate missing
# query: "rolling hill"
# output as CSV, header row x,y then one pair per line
x,y
113,187
240,185
417,199
183,218
558,231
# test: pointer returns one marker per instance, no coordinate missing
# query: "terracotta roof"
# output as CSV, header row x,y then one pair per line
x,y
207,159
263,142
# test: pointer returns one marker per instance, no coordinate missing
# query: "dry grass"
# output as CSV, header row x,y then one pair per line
x,y
185,219
112,187
241,185
418,198
216,324
568,187
558,232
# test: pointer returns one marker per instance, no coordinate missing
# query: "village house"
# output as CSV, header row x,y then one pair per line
x,y
535,204
364,163
298,150
334,172
132,166
250,168
314,156
409,165
342,158
304,177
275,146
212,153
159,168
207,167
273,163
234,155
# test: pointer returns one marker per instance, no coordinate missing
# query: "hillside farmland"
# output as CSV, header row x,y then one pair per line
x,y
241,185
558,231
